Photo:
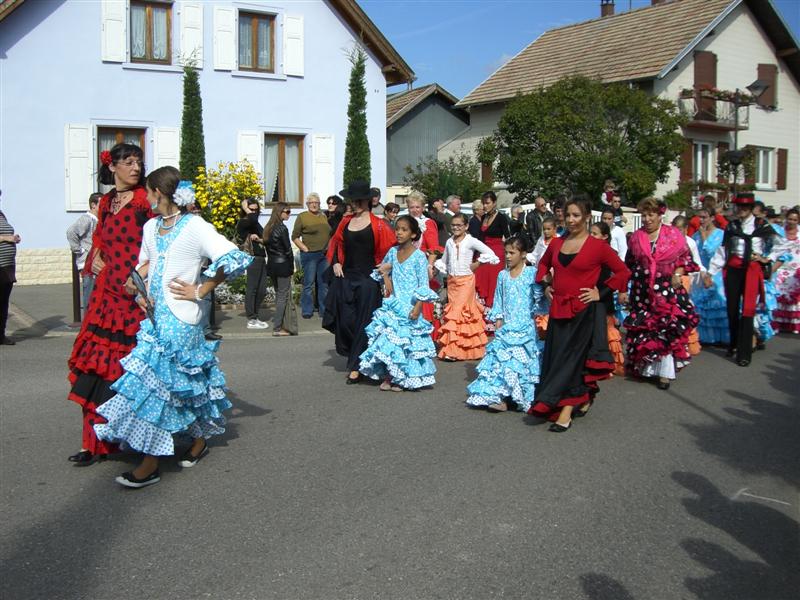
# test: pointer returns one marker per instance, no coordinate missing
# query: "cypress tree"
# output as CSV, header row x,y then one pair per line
x,y
193,149
356,147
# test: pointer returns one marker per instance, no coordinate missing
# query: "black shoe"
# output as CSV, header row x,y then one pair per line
x,y
353,380
743,362
307,316
7,341
213,337
730,352
84,458
760,346
559,428
582,413
187,461
128,480
663,385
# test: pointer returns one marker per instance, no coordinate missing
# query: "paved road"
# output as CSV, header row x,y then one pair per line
x,y
321,490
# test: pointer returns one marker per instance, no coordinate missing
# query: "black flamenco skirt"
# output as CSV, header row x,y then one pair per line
x,y
349,305
576,356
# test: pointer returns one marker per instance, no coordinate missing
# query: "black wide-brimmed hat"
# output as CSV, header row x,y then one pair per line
x,y
357,190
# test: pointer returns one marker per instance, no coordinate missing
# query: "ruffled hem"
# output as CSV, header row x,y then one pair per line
x,y
399,348
126,428
233,263
510,369
710,333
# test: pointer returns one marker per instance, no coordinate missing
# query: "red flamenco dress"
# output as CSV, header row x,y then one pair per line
x,y
429,243
108,330
576,351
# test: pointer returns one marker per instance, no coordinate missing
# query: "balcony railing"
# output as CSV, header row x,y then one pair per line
x,y
709,112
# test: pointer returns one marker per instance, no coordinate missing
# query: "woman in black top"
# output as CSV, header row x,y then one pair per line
x,y
474,225
280,263
248,228
494,229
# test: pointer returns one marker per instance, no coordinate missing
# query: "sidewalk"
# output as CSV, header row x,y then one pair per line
x,y
46,311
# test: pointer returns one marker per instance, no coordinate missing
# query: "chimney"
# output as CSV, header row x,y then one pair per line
x,y
656,2
607,8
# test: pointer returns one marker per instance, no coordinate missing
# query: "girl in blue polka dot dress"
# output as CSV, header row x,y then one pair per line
x,y
172,382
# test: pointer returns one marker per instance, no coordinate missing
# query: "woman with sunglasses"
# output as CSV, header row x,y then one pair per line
x,y
280,263
108,331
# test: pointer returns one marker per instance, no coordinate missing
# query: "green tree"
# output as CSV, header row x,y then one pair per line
x,y
356,146
577,133
193,148
439,178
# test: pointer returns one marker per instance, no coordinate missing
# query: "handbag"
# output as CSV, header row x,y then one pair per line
x,y
247,246
290,323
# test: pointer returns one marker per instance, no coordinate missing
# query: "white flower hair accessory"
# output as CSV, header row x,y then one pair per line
x,y
184,195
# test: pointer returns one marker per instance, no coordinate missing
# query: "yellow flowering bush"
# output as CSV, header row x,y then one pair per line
x,y
220,193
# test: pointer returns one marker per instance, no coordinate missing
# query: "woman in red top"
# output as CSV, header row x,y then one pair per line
x,y
576,354
358,246
108,331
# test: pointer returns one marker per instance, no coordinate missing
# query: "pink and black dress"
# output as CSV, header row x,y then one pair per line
x,y
576,353
661,317
108,331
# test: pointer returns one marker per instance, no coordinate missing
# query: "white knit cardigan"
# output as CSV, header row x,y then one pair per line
x,y
183,259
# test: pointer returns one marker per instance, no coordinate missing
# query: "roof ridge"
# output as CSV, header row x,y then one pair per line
x,y
616,16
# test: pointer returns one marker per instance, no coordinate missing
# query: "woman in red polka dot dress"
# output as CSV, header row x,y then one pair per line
x,y
108,331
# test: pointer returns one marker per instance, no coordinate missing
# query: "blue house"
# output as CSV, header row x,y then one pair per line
x,y
78,77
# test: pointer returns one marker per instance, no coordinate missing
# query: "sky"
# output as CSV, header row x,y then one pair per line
x,y
459,43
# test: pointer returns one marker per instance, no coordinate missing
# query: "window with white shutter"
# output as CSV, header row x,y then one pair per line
x,y
167,148
224,38
191,17
293,50
114,15
78,175
324,173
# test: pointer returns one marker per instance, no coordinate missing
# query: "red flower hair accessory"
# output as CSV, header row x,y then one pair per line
x,y
105,157
662,208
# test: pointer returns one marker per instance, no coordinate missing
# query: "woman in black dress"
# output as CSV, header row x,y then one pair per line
x,y
358,246
494,229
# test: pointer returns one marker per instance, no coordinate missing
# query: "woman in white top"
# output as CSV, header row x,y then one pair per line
x,y
171,381
462,334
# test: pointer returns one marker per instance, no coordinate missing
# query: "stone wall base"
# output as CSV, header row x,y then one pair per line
x,y
39,266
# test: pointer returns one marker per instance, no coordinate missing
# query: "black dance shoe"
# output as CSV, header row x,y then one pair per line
x,y
663,385
559,428
213,337
353,380
743,362
129,480
582,412
730,351
188,460
84,458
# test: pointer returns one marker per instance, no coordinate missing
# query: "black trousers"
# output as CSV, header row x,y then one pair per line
x,y
5,298
256,288
740,328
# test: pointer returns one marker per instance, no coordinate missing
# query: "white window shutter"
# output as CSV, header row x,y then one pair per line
x,y
293,55
224,38
250,147
114,44
323,177
78,182
192,32
167,142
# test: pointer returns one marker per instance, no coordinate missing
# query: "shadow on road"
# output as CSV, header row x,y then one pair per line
x,y
766,571
41,328
763,438
241,410
602,587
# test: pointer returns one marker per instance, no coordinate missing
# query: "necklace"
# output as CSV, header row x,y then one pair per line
x,y
116,201
161,224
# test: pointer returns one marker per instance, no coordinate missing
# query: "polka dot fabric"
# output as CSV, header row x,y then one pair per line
x,y
172,381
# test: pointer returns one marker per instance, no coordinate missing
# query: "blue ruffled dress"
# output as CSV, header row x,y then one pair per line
x,y
511,366
762,323
710,302
397,347
172,382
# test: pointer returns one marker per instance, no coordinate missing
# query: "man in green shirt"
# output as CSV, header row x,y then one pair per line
x,y
310,234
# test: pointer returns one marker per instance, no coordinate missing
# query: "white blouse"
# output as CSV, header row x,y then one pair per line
x,y
197,240
457,258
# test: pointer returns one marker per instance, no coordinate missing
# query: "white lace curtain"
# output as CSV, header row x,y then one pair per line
x,y
271,168
160,41
263,44
245,42
292,177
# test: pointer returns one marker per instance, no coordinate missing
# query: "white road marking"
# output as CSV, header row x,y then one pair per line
x,y
743,492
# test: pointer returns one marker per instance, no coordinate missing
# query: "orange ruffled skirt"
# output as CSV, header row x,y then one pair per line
x,y
462,335
615,345
693,344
